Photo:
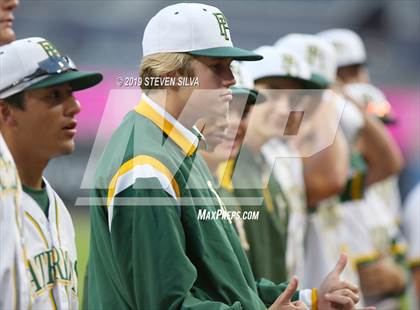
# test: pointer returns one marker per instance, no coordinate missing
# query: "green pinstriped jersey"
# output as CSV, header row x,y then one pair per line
x,y
148,249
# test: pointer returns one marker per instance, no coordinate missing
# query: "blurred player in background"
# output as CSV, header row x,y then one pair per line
x,y
411,228
283,77
325,172
381,274
37,112
271,234
221,158
14,283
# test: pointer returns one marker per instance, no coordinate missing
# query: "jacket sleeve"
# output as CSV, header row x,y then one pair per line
x,y
149,246
269,291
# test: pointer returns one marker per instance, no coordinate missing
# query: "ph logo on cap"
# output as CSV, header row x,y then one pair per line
x,y
223,25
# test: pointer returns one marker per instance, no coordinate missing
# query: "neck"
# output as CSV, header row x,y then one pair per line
x,y
29,167
171,102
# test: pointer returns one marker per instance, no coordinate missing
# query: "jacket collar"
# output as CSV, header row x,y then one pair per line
x,y
178,133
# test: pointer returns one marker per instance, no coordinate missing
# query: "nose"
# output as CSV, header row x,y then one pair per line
x,y
11,4
72,107
228,79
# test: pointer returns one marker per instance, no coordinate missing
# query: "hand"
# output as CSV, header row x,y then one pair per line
x,y
381,277
283,302
336,294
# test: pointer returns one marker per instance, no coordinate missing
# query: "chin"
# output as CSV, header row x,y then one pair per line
x,y
7,36
67,148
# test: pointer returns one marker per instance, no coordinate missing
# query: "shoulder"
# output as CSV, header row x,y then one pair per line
x,y
136,142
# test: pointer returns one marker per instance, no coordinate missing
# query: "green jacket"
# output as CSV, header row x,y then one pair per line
x,y
267,236
148,249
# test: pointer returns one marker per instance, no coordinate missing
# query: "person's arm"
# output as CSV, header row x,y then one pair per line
x,y
332,293
324,151
383,276
325,173
151,251
379,150
157,257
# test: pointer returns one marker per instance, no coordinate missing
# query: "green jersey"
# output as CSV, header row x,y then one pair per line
x,y
267,236
148,248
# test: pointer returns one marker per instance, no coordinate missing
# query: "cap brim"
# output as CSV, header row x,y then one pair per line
x,y
351,64
318,82
253,96
78,80
314,83
228,52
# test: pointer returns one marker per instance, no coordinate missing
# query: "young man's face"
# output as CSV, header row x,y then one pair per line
x,y
353,74
47,126
226,144
7,34
271,117
210,99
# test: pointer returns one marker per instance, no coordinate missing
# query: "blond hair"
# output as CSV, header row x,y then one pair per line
x,y
157,65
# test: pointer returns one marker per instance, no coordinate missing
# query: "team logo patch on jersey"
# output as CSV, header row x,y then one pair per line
x,y
51,267
223,25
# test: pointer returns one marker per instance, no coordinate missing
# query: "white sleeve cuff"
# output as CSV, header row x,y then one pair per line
x,y
306,297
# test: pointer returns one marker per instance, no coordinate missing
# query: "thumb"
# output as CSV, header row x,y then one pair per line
x,y
287,295
341,264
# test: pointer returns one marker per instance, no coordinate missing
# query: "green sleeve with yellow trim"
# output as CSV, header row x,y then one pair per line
x,y
356,182
145,262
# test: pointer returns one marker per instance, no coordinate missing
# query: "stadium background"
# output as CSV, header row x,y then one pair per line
x,y
106,36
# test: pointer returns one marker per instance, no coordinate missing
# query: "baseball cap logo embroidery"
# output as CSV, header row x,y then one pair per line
x,y
313,54
338,46
223,25
288,64
49,49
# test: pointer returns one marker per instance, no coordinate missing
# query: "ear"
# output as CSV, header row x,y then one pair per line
x,y
173,75
7,114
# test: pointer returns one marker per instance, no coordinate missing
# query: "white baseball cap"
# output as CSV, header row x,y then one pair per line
x,y
193,28
317,53
280,62
349,47
244,85
34,63
372,99
242,76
